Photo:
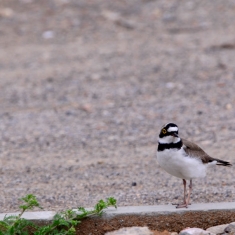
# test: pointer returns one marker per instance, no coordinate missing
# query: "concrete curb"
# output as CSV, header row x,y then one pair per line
x,y
168,209
156,217
34,216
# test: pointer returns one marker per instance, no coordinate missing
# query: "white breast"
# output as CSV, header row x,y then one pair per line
x,y
177,163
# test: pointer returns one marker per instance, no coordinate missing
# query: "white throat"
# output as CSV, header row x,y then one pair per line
x,y
168,139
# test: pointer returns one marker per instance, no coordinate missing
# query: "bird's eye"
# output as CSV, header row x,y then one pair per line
x,y
163,131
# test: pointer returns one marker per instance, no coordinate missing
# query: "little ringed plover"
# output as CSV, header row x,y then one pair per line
x,y
182,158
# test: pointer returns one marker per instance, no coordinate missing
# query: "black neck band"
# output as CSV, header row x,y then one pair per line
x,y
177,145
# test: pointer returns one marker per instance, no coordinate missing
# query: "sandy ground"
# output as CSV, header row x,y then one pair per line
x,y
87,85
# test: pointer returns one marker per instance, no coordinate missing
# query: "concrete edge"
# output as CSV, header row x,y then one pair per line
x,y
35,216
169,209
153,210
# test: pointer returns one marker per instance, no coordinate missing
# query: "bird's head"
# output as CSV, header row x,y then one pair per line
x,y
169,133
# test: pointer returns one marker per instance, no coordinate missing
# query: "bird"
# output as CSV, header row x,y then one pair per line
x,y
183,159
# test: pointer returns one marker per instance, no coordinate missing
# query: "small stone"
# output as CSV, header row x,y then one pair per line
x,y
68,113
228,106
112,138
156,69
170,85
126,24
50,79
217,229
194,231
28,169
133,184
117,18
222,66
131,231
95,76
48,34
230,229
168,17
110,15
6,12
87,108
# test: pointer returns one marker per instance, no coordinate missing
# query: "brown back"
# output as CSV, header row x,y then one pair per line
x,y
194,150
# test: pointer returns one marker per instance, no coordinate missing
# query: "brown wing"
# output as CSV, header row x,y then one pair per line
x,y
194,150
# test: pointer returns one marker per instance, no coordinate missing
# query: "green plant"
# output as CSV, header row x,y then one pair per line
x,y
63,223
15,224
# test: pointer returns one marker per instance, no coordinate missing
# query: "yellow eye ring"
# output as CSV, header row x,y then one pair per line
x,y
163,131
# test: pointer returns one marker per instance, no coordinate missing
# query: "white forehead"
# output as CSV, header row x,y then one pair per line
x,y
172,128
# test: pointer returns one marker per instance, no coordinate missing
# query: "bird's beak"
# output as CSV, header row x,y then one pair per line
x,y
175,135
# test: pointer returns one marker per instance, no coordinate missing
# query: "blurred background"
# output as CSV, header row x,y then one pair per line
x,y
86,85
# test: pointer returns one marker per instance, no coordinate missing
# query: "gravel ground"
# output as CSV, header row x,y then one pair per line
x,y
87,85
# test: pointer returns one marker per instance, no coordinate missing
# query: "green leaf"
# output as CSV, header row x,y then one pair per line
x,y
30,202
112,202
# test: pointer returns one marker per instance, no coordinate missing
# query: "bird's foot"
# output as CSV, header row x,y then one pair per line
x,y
182,206
177,204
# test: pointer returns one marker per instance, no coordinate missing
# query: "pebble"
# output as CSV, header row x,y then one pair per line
x,y
131,231
194,231
48,34
228,106
86,107
6,12
118,19
230,229
219,229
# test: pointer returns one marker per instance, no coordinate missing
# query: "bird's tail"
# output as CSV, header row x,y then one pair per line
x,y
222,163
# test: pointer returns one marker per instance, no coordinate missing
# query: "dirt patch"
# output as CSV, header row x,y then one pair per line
x,y
173,223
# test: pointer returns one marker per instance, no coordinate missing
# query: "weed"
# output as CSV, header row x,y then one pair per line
x,y
63,223
15,224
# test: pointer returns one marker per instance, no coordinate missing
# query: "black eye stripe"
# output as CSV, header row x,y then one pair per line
x,y
167,134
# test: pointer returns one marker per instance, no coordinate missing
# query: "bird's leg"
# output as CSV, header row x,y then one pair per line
x,y
189,192
184,183
187,201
